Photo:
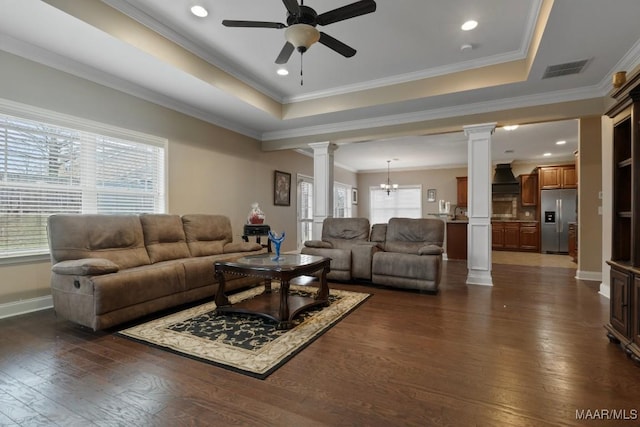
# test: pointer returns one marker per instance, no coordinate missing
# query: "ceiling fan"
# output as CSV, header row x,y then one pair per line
x,y
301,24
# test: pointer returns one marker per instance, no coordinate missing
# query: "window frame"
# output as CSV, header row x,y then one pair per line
x,y
100,132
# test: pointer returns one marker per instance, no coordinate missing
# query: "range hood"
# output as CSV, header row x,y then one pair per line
x,y
503,181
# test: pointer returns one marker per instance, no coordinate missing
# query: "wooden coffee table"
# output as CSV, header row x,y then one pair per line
x,y
275,305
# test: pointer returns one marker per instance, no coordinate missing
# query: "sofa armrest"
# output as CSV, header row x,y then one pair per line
x,y
318,244
85,267
241,247
361,259
430,250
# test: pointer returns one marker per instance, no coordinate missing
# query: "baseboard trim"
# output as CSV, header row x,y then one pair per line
x,y
605,290
595,276
16,308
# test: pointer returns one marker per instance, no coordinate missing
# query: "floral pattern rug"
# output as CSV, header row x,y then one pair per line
x,y
248,344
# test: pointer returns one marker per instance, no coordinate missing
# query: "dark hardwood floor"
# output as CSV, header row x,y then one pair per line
x,y
530,351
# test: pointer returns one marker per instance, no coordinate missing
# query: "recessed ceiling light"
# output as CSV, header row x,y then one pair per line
x,y
469,25
510,127
547,154
199,11
561,142
282,72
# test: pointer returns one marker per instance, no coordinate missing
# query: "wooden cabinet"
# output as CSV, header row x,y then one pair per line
x,y
497,235
555,177
624,313
462,191
511,235
515,236
529,189
573,241
456,240
529,237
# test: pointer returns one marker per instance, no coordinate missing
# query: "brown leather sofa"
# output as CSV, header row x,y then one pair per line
x,y
110,269
404,253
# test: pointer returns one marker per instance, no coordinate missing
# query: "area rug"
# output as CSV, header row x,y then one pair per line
x,y
248,344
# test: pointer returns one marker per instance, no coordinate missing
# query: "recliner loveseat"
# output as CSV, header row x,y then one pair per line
x,y
404,253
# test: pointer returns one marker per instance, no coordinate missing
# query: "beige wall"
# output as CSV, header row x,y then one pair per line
x,y
210,169
590,185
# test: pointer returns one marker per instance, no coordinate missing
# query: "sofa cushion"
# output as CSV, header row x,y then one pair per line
x,y
164,237
342,233
207,234
117,238
408,235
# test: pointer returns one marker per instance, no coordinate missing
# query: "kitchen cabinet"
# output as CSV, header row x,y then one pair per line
x,y
557,177
515,236
529,237
456,240
624,310
529,189
462,191
505,235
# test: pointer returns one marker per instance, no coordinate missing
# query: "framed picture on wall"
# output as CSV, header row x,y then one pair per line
x,y
354,196
431,195
282,188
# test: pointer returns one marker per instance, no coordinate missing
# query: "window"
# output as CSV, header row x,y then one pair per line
x,y
305,209
47,169
341,200
405,202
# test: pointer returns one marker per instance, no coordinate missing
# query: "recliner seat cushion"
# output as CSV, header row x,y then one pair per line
x,y
164,237
117,238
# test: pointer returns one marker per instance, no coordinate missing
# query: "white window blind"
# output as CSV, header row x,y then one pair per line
x,y
47,169
405,202
341,200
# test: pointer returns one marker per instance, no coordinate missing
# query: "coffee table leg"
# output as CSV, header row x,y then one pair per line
x,y
323,292
221,299
285,322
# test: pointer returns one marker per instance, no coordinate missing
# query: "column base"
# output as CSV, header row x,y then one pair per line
x,y
479,278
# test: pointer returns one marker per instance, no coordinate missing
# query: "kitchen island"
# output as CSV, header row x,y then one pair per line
x,y
520,235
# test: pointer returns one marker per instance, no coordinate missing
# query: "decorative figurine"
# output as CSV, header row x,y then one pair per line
x,y
256,216
277,241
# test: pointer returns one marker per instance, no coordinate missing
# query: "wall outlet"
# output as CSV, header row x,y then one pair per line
x,y
527,213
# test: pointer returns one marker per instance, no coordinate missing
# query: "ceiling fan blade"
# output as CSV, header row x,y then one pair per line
x,y
345,12
252,24
292,6
285,53
336,45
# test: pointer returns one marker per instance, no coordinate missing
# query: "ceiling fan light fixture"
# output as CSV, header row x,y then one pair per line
x,y
282,72
302,36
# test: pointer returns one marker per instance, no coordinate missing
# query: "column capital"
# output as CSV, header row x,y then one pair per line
x,y
328,147
480,128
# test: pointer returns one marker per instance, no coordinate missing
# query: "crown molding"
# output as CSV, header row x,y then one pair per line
x,y
578,94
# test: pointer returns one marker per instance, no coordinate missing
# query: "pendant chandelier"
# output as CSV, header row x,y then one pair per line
x,y
388,187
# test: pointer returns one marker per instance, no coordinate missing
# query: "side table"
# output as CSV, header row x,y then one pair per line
x,y
257,230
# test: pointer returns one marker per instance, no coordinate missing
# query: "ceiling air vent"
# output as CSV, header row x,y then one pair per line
x,y
564,69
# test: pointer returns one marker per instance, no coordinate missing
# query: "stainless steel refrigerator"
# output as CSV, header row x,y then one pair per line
x,y
558,209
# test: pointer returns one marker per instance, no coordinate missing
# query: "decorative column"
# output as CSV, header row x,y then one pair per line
x,y
479,204
322,184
